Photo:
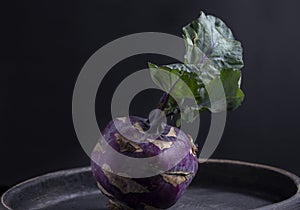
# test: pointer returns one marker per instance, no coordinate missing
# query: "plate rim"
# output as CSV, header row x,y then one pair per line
x,y
294,178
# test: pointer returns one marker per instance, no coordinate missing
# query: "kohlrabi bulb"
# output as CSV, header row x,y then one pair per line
x,y
160,191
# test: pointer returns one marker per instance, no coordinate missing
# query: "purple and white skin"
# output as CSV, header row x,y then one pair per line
x,y
156,192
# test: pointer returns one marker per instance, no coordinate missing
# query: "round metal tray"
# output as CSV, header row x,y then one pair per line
x,y
219,184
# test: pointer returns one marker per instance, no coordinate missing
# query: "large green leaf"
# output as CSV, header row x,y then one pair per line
x,y
211,73
209,40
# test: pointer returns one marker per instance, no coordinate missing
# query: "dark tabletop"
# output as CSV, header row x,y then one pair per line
x,y
3,189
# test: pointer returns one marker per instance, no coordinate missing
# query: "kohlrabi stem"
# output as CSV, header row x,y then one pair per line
x,y
163,101
156,119
165,97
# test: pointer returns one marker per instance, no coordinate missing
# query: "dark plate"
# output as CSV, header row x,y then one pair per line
x,y
220,184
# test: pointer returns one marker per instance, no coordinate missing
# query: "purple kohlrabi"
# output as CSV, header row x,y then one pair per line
x,y
154,192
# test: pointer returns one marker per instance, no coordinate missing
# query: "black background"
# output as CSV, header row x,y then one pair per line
x,y
44,44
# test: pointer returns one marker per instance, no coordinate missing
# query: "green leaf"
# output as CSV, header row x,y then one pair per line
x,y
175,80
231,83
210,75
208,96
209,40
